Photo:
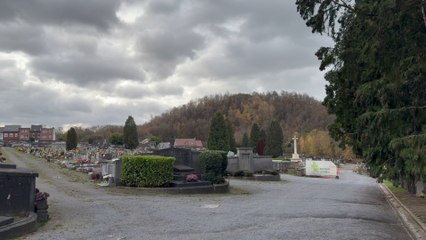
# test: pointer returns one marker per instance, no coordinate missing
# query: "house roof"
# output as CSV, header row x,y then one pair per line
x,y
1,129
163,145
188,142
11,128
36,128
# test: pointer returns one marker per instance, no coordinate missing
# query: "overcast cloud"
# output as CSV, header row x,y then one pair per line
x,y
94,62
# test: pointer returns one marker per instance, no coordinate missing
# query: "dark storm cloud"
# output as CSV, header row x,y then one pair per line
x,y
22,37
162,50
163,6
97,13
118,58
86,69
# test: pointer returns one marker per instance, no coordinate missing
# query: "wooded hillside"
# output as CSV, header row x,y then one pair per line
x,y
295,113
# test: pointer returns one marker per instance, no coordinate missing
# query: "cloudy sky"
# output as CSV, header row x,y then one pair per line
x,y
94,62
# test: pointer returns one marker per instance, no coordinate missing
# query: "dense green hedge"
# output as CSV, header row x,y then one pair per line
x,y
213,165
147,170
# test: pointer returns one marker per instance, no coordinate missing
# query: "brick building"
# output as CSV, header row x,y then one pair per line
x,y
35,133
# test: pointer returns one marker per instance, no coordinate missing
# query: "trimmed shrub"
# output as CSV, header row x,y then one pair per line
x,y
213,165
147,170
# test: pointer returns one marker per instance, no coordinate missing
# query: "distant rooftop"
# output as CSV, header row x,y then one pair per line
x,y
188,143
36,128
11,128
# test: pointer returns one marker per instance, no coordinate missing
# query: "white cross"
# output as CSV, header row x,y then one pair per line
x,y
295,144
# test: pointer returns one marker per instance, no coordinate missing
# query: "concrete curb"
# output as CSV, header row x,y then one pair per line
x,y
19,228
412,223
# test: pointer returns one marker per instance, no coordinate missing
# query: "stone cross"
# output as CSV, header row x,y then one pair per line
x,y
295,144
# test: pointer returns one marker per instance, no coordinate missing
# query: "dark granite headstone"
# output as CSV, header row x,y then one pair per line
x,y
17,191
183,156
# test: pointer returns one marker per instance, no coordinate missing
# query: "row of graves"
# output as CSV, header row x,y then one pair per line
x,y
85,159
105,165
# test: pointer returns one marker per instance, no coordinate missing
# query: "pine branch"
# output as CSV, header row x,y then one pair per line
x,y
412,136
423,11
343,3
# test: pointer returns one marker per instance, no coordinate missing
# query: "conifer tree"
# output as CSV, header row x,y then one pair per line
x,y
245,141
130,134
218,134
274,140
254,135
72,140
376,80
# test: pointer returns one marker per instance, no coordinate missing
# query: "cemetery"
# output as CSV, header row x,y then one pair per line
x,y
105,166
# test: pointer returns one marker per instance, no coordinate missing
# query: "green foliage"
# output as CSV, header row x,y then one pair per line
x,y
274,140
155,139
130,134
393,188
230,129
218,135
72,140
376,80
147,171
60,136
254,135
245,141
213,165
116,139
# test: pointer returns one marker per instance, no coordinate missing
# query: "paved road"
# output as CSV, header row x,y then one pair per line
x,y
352,207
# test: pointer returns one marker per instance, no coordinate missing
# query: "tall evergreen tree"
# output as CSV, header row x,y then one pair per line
x,y
245,142
376,80
130,134
72,140
274,140
218,134
254,135
230,128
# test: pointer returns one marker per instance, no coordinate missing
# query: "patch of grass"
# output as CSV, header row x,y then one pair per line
x,y
282,159
394,189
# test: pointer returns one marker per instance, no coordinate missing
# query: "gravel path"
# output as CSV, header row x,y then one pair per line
x,y
352,207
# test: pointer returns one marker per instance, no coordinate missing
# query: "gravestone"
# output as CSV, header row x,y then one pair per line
x,y
111,170
183,156
247,161
17,191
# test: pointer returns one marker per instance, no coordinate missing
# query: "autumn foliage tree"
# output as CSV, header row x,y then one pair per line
x,y
296,112
232,142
